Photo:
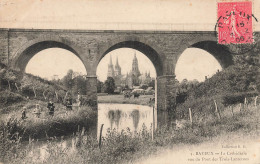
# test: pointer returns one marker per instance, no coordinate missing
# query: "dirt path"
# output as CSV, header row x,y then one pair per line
x,y
221,150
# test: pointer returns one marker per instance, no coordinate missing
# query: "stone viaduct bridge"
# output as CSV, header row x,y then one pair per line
x,y
163,48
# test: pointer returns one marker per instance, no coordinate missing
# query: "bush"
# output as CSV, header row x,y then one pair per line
x,y
88,102
8,98
60,124
27,91
181,97
10,135
231,99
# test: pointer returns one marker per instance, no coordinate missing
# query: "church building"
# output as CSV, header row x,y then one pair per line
x,y
133,78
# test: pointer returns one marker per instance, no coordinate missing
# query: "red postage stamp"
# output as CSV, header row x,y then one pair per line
x,y
235,22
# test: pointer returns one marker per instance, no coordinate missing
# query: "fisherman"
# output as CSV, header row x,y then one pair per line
x,y
51,107
79,99
69,104
24,113
37,111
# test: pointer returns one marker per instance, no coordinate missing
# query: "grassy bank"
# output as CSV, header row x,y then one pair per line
x,y
142,100
63,122
126,147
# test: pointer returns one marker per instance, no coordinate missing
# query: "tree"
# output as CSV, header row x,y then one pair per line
x,y
152,84
32,84
2,71
67,80
144,86
100,85
11,77
126,87
109,85
258,84
79,85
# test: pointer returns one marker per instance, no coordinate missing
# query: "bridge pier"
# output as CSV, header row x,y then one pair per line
x,y
91,82
91,95
166,99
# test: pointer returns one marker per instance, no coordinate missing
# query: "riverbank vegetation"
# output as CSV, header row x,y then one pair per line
x,y
21,91
237,84
127,146
15,84
63,123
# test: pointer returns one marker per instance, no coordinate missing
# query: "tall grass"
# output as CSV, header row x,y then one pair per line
x,y
61,124
10,139
127,146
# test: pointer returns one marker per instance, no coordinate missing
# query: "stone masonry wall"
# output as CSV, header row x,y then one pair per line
x,y
92,45
92,91
166,92
4,47
161,90
166,99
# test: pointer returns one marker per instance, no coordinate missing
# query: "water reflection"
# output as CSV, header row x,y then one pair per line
x,y
114,117
136,116
123,116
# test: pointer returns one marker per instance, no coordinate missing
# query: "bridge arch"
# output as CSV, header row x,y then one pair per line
x,y
218,51
147,50
27,51
153,54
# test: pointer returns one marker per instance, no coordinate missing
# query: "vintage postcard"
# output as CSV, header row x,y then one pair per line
x,y
120,81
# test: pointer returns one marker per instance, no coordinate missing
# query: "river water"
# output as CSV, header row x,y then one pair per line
x,y
113,116
123,116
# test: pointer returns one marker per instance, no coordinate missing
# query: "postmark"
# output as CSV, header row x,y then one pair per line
x,y
235,22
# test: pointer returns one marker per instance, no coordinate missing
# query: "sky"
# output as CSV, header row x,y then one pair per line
x,y
194,63
54,61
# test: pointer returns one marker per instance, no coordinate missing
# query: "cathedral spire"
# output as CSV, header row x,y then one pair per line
x,y
110,72
110,62
117,61
135,69
117,68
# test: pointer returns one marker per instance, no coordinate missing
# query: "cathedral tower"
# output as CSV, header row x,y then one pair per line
x,y
135,68
110,72
135,72
117,68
